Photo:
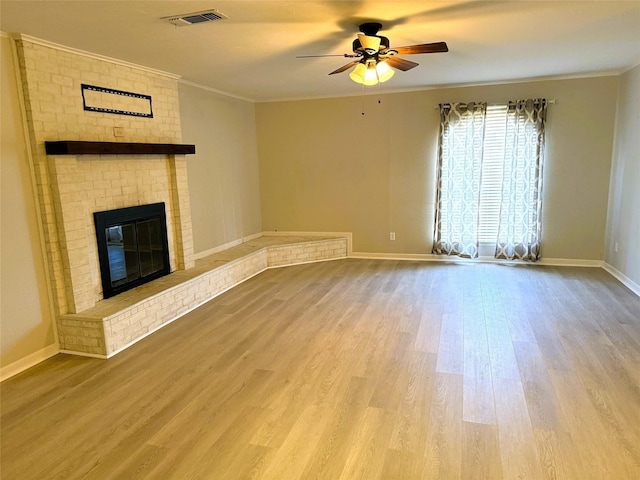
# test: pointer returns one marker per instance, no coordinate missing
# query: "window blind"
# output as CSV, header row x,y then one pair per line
x,y
492,169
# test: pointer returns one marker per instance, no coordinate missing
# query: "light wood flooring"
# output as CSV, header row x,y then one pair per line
x,y
353,369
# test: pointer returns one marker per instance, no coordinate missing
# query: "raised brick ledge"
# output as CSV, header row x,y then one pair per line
x,y
118,322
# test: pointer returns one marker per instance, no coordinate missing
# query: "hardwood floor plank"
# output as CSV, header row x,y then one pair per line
x,y
138,464
549,453
428,336
443,449
294,397
477,395
210,406
451,348
292,456
249,464
625,432
548,341
627,375
223,452
412,416
542,405
501,353
399,465
390,383
599,451
366,454
518,452
582,356
330,457
480,452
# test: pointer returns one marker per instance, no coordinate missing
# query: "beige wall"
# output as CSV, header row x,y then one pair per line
x,y
326,167
26,321
223,174
623,221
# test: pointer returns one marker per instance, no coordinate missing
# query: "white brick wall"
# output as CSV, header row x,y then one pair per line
x,y
71,188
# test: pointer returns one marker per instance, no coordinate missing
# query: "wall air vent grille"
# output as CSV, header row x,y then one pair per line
x,y
194,18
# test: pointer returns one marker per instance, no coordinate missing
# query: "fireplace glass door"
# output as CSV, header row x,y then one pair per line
x,y
132,246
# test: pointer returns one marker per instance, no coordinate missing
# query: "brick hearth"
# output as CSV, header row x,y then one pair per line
x,y
114,324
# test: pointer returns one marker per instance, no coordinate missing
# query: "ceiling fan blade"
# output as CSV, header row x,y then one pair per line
x,y
401,63
437,47
348,55
345,67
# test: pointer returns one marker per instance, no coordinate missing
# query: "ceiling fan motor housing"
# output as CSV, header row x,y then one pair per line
x,y
357,45
370,28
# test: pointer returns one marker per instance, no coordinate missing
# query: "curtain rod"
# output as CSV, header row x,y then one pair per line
x,y
551,101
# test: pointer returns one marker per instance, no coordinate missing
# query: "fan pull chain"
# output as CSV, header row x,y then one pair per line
x,y
379,86
362,100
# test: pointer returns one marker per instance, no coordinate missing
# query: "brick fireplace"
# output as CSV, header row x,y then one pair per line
x,y
85,184
71,187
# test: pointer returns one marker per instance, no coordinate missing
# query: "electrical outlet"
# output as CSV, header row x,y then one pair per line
x,y
118,131
392,235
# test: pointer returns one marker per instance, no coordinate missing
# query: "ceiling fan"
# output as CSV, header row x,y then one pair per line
x,y
374,57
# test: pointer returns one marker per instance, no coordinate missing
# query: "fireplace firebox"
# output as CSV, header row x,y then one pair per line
x,y
132,246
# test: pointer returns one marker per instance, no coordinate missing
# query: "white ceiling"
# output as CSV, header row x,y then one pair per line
x,y
253,54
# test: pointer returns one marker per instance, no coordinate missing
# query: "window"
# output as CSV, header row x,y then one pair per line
x,y
489,179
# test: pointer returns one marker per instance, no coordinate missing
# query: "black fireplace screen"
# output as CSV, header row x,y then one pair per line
x,y
132,246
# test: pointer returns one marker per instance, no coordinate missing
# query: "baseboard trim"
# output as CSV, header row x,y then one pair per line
x,y
29,361
422,257
428,257
570,262
84,354
225,246
622,278
248,238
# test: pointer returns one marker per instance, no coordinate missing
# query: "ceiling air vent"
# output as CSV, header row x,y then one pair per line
x,y
194,18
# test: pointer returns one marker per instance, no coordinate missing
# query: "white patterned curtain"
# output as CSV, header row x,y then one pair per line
x,y
458,179
520,214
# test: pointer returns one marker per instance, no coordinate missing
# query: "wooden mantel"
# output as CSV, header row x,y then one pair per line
x,y
73,147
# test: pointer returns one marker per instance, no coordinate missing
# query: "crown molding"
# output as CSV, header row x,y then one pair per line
x,y
216,91
95,56
388,90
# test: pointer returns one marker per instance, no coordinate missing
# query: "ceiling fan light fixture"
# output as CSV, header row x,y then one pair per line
x,y
365,74
357,74
370,75
384,71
